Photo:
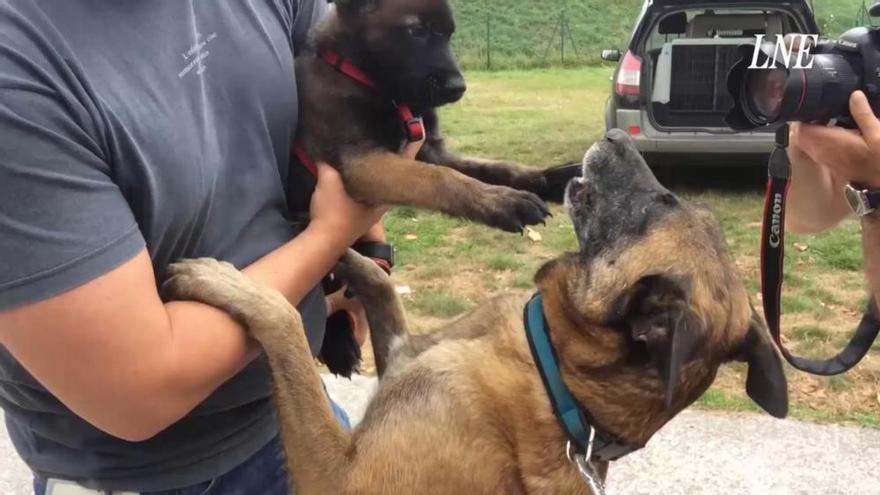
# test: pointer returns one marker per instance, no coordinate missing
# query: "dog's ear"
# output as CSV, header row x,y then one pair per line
x,y
765,383
657,313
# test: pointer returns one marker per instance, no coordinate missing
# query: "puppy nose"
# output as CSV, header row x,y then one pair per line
x,y
455,86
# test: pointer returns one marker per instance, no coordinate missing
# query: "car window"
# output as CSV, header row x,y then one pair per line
x,y
718,23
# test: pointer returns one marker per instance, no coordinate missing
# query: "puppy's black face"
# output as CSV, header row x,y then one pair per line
x,y
406,46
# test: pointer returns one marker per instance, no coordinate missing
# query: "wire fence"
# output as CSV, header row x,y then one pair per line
x,y
505,34
498,34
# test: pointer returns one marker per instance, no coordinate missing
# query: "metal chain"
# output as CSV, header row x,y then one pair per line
x,y
586,468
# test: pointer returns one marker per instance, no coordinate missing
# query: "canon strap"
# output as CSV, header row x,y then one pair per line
x,y
772,256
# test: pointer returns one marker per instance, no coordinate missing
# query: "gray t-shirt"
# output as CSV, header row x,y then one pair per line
x,y
126,124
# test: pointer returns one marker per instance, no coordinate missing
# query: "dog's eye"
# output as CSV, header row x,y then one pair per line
x,y
418,31
441,33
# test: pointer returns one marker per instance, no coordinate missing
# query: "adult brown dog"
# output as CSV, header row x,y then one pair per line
x,y
371,59
640,318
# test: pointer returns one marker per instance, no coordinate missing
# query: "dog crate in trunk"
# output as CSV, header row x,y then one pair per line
x,y
699,74
690,85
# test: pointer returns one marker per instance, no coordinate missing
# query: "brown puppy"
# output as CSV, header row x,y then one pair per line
x,y
640,319
373,57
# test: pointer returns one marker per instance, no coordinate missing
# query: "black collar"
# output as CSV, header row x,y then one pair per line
x,y
573,418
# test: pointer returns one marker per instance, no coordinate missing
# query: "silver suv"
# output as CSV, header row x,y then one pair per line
x,y
669,91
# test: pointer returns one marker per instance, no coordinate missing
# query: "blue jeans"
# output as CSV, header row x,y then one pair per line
x,y
264,473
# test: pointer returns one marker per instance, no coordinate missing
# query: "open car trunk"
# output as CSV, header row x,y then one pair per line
x,y
689,83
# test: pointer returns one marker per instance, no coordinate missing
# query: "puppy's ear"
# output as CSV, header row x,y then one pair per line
x,y
765,383
658,314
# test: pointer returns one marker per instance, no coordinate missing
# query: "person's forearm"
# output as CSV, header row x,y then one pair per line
x,y
815,200
298,266
159,360
376,234
195,348
206,348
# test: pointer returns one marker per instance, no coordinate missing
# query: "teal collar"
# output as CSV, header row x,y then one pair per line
x,y
575,420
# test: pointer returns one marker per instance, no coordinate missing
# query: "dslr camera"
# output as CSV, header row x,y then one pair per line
x,y
771,84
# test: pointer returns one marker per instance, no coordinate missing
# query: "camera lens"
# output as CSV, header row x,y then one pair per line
x,y
765,90
816,88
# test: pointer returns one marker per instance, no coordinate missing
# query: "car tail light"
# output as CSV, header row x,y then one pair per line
x,y
629,75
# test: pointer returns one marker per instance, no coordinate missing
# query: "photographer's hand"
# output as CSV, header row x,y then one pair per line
x,y
851,155
824,159
844,156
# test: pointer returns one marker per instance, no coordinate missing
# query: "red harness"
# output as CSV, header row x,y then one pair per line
x,y
413,127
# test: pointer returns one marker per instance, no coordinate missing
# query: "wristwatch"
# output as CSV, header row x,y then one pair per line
x,y
862,200
379,252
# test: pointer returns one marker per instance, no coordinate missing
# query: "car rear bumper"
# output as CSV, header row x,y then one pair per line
x,y
648,139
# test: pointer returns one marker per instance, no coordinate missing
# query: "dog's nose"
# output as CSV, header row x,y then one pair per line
x,y
455,87
618,137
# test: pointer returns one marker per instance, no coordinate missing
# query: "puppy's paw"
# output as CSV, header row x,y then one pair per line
x,y
511,210
557,179
340,350
221,285
529,179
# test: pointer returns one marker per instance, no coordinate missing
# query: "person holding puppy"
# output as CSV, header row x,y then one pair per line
x,y
132,135
825,160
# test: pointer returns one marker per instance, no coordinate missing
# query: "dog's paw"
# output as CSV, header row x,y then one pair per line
x,y
340,351
221,285
361,274
512,210
529,179
557,179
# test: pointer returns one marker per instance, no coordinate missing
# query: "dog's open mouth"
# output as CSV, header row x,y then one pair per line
x,y
577,195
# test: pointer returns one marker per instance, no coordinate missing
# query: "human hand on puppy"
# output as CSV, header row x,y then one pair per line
x,y
335,214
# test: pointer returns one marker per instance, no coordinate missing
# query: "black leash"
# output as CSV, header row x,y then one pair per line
x,y
772,256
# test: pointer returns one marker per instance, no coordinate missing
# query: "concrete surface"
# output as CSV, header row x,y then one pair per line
x,y
697,453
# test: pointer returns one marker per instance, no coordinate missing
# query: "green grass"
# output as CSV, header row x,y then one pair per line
x,y
836,16
540,117
440,303
522,30
717,399
503,262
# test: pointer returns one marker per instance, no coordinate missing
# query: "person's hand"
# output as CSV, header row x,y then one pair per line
x,y
335,213
850,155
338,301
824,160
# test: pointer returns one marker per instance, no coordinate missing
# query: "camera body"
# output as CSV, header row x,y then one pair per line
x,y
768,91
